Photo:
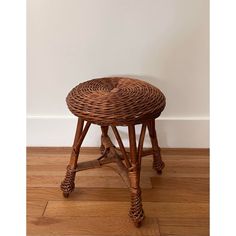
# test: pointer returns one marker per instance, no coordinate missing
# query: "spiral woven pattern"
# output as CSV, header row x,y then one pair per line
x,y
136,211
158,165
68,185
116,100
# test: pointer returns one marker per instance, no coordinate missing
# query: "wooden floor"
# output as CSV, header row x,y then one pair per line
x,y
175,203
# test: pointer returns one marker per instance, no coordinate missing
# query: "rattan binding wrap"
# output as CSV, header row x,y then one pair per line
x,y
116,100
68,185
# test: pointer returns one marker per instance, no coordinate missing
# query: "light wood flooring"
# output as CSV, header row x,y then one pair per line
x,y
176,203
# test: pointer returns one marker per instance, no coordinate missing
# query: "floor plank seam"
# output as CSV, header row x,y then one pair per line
x,y
45,208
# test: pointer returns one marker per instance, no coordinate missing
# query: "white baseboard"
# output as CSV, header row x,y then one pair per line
x,y
182,132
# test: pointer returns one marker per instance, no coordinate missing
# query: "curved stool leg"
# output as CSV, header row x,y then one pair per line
x,y
68,185
158,164
136,210
104,133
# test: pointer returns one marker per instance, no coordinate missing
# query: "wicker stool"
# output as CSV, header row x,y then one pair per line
x,y
112,102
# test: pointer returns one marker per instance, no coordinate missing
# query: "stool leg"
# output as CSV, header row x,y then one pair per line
x,y
136,210
104,133
158,164
68,185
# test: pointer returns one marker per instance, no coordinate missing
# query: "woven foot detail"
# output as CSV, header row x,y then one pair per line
x,y
136,211
68,185
158,165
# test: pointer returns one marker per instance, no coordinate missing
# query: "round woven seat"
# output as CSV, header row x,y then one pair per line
x,y
116,100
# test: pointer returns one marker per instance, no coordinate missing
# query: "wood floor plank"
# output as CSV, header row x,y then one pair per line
x,y
177,200
84,181
105,209
79,194
147,162
184,190
184,231
55,159
196,185
89,150
36,207
60,171
118,194
186,172
106,226
81,181
173,168
189,221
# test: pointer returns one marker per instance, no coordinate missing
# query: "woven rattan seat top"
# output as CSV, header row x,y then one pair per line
x,y
116,101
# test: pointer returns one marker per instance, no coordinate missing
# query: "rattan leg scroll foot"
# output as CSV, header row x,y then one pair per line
x,y
136,210
104,133
158,164
68,185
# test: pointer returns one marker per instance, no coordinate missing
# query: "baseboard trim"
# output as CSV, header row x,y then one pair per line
x,y
173,132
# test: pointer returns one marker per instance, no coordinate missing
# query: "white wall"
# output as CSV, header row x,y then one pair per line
x,y
164,42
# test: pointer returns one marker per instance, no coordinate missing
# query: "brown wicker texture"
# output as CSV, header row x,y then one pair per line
x,y
116,100
68,185
110,102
